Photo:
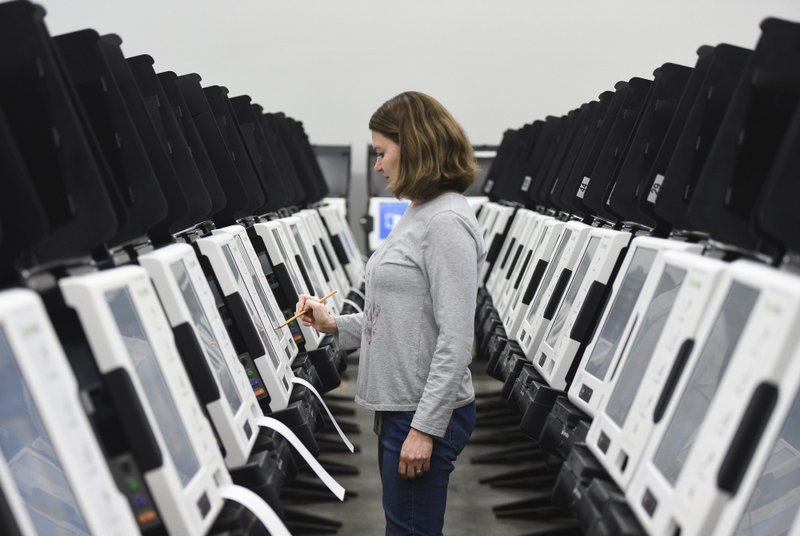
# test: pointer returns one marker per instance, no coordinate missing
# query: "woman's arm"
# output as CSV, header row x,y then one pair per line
x,y
347,327
450,253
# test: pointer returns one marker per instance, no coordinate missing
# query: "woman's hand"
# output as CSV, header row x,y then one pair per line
x,y
317,317
415,455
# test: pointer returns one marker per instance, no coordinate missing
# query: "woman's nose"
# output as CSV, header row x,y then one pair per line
x,y
378,165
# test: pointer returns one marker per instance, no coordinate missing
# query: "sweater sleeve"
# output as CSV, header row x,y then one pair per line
x,y
349,330
450,254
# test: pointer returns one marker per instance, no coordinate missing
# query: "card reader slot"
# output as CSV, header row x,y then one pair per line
x,y
195,363
558,292
747,437
536,279
132,419
237,310
672,380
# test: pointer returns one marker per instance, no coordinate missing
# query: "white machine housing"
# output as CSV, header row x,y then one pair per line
x,y
512,248
295,228
337,227
752,329
330,262
187,299
534,276
64,464
186,486
590,384
280,249
494,225
233,275
514,287
600,256
534,324
768,496
672,304
288,348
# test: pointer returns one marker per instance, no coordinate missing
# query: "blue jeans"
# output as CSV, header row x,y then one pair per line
x,y
417,506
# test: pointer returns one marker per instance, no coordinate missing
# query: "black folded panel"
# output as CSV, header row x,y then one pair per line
x,y
671,199
586,122
539,159
42,117
21,213
662,102
289,177
595,130
254,199
216,148
553,161
598,183
520,178
646,191
277,193
778,217
171,137
509,174
502,161
290,135
307,151
129,167
171,187
169,82
757,119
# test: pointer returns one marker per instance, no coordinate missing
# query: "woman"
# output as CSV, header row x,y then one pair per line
x,y
416,330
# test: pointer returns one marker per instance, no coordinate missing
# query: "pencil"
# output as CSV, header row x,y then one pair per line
x,y
304,311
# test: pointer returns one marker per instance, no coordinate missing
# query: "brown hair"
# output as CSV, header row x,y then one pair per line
x,y
435,154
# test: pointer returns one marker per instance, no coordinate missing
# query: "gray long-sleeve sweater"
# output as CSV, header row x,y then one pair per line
x,y
416,330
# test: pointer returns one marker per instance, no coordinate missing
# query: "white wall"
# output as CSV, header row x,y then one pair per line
x,y
494,64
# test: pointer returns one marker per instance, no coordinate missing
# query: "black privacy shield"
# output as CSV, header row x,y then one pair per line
x,y
304,146
171,187
254,198
671,199
754,125
649,186
510,174
574,176
600,180
559,195
22,220
282,160
130,170
662,102
778,216
567,134
536,164
42,117
289,134
277,194
215,147
169,82
171,136
506,152
520,180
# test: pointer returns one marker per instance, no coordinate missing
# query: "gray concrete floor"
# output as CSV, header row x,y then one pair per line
x,y
469,508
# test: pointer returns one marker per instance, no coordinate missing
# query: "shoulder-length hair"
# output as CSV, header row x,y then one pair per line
x,y
435,154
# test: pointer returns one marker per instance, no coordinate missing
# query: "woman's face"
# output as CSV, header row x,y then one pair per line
x,y
388,161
